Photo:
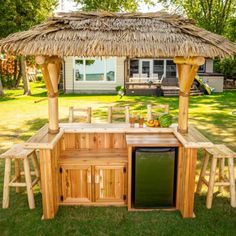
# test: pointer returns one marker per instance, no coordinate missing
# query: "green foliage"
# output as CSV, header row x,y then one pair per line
x,y
212,15
230,31
19,15
226,66
217,16
120,90
112,5
39,77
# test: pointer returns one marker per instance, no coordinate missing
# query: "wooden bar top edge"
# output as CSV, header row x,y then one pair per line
x,y
39,140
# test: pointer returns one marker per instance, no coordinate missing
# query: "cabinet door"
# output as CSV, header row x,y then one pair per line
x,y
110,183
76,183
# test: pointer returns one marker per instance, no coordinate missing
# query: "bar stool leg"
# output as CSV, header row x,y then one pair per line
x,y
221,172
17,173
211,183
231,180
29,183
36,168
203,171
6,188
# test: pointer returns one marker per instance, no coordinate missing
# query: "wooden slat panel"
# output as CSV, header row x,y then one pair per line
x,y
43,139
76,183
109,182
179,189
193,139
49,170
69,140
94,140
187,182
221,151
150,140
93,157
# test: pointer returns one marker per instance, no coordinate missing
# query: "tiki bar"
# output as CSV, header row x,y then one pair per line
x,y
103,164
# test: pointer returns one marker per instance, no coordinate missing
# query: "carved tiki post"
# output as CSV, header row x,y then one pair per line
x,y
187,69
51,74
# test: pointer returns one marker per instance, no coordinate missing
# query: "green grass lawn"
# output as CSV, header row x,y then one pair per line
x,y
22,116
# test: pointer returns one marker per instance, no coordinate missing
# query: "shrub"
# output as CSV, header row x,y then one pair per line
x,y
39,77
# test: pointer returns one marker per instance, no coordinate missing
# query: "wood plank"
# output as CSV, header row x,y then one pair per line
x,y
186,191
221,151
111,128
193,139
93,157
129,178
179,189
109,181
150,140
43,139
49,180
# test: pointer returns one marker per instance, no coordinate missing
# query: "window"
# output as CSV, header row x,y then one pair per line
x,y
152,68
146,68
110,69
134,67
95,70
170,68
158,67
79,70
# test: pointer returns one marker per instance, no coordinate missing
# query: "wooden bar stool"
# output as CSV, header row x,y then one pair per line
x,y
156,108
218,153
118,113
80,113
18,153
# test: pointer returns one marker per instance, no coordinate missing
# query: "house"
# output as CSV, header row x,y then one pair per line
x,y
103,75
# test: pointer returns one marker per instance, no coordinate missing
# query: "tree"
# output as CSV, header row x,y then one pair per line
x,y
213,15
1,88
19,15
111,5
217,16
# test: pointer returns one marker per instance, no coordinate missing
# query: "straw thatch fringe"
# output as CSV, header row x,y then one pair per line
x,y
118,34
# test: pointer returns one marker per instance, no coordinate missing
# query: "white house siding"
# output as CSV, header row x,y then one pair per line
x,y
72,86
209,65
214,81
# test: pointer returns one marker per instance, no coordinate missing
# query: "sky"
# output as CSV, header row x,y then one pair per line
x,y
70,5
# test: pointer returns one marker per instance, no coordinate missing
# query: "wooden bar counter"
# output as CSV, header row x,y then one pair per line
x,y
90,164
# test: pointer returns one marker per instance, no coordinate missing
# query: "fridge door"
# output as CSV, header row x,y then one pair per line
x,y
154,171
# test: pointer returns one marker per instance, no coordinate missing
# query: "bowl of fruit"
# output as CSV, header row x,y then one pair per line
x,y
164,120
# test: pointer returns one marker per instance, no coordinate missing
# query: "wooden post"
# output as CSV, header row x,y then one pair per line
x,y
17,173
109,114
126,114
187,69
51,75
89,114
29,187
186,181
149,112
6,188
71,114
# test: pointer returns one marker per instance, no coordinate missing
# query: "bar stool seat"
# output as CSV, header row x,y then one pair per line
x,y
19,153
217,153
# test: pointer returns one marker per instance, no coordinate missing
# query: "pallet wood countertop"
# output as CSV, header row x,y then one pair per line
x,y
44,140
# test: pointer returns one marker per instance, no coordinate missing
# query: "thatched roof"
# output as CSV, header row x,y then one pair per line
x,y
118,34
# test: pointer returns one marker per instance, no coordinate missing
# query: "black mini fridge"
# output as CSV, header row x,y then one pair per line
x,y
154,177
